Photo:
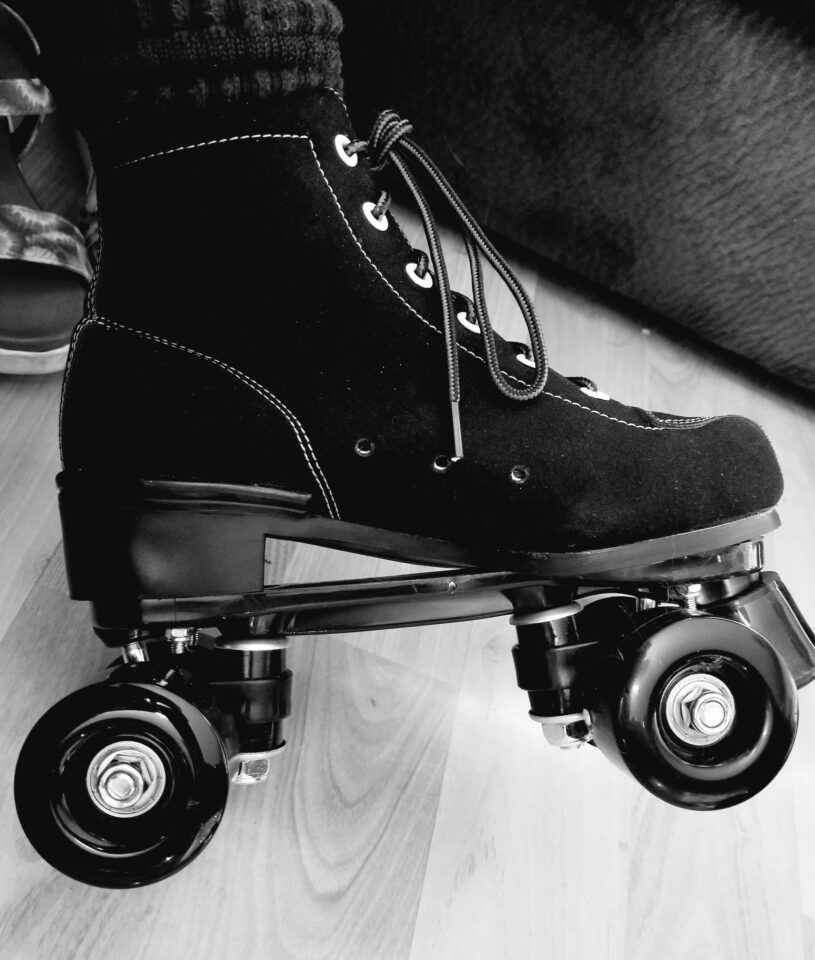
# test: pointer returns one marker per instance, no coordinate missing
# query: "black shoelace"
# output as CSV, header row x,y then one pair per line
x,y
390,142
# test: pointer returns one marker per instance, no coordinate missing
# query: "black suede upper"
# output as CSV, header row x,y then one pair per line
x,y
249,325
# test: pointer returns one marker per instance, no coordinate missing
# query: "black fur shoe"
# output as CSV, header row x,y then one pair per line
x,y
259,322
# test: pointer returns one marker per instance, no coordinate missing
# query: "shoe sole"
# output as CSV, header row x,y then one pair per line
x,y
176,539
34,362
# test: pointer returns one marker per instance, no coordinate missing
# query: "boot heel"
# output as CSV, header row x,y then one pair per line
x,y
158,540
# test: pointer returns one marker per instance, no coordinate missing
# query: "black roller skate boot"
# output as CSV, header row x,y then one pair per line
x,y
274,361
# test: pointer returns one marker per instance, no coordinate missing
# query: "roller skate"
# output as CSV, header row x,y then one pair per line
x,y
277,363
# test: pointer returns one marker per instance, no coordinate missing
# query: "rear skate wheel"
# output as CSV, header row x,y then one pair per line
x,y
121,784
700,710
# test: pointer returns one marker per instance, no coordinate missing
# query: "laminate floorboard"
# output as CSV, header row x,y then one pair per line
x,y
417,812
29,461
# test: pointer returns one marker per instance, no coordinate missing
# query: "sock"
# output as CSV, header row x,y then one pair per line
x,y
110,60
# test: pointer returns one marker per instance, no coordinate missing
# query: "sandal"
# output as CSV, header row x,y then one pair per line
x,y
44,266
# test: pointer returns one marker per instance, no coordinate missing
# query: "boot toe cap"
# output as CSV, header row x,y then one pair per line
x,y
740,474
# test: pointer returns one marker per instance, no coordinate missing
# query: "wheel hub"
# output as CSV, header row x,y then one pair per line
x,y
126,778
699,709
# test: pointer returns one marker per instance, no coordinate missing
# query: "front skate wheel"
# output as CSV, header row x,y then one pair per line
x,y
701,710
121,784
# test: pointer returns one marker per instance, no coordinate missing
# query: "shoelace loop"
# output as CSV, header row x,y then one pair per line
x,y
389,142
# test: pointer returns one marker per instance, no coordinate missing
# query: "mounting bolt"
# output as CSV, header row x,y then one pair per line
x,y
568,732
253,767
180,638
134,652
689,594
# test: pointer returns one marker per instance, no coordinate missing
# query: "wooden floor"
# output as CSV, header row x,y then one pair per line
x,y
417,812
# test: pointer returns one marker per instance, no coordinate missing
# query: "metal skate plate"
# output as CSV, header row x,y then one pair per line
x,y
438,597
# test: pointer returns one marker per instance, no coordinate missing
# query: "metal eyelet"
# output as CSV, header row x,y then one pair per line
x,y
465,321
381,223
525,360
426,281
597,394
519,474
340,143
442,464
364,447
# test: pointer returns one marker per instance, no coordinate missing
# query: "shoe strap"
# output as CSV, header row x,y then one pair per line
x,y
25,98
39,236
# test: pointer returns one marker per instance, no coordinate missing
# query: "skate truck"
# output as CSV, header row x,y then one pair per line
x,y
677,657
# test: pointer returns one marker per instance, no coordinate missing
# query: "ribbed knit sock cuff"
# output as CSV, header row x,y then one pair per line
x,y
110,59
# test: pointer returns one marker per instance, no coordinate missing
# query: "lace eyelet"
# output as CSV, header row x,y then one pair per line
x,y
468,324
364,447
340,143
442,464
525,360
597,394
426,281
519,474
381,223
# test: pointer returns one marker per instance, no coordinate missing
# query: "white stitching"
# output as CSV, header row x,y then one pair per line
x,y
424,320
91,307
292,136
209,143
606,416
71,354
681,419
302,436
297,427
97,269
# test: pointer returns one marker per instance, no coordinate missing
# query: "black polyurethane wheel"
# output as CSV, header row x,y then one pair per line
x,y
701,710
121,784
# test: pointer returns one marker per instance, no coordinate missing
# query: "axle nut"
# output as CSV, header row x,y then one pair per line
x,y
699,709
126,779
